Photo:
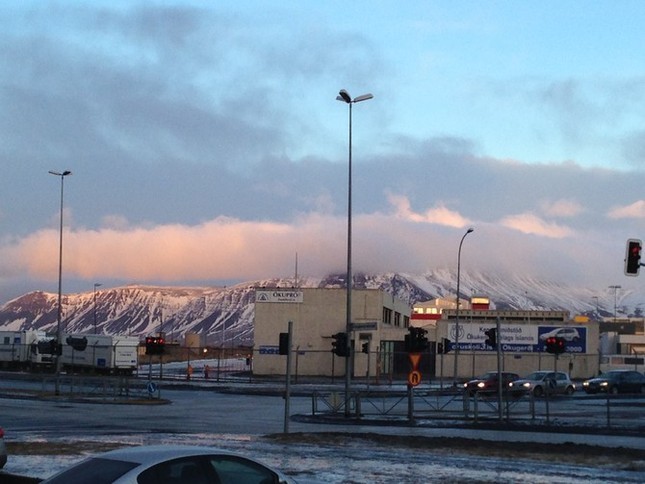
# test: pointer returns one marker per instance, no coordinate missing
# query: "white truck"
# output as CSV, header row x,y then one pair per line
x,y
101,353
18,349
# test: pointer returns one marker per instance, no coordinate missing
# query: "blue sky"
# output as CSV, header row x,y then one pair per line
x,y
207,147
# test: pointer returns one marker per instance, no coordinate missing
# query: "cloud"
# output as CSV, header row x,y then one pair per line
x,y
634,210
561,208
531,224
439,214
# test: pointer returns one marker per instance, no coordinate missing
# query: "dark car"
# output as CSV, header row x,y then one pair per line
x,y
488,382
616,381
3,449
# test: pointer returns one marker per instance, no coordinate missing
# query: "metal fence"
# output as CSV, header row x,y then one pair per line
x,y
605,410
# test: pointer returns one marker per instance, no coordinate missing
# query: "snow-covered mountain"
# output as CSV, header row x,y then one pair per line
x,y
225,314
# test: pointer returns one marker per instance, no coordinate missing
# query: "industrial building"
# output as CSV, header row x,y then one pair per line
x,y
379,323
521,340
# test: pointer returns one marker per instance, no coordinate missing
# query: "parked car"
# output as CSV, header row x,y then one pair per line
x,y
616,381
165,464
3,449
540,382
488,382
567,334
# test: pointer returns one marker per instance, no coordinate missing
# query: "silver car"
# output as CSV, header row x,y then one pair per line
x,y
169,464
540,382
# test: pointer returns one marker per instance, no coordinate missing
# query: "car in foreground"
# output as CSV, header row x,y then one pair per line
x,y
488,383
169,464
616,381
3,449
540,383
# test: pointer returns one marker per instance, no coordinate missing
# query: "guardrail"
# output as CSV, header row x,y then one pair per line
x,y
101,388
611,411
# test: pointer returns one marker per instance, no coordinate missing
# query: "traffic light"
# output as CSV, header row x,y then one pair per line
x,y
339,345
447,345
283,348
416,340
633,257
155,345
366,347
77,342
492,337
555,345
48,347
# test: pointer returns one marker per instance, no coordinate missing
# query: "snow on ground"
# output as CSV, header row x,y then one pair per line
x,y
352,462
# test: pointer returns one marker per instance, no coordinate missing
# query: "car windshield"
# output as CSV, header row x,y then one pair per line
x,y
537,375
96,470
489,376
613,375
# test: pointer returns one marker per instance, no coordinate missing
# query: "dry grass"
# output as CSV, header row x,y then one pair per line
x,y
60,448
567,453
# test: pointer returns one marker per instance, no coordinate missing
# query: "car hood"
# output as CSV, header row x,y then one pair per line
x,y
597,380
473,382
523,381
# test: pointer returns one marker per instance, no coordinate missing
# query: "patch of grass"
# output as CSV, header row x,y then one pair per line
x,y
578,454
60,448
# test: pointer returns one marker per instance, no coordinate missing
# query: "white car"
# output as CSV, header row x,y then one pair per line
x,y
568,334
540,382
169,464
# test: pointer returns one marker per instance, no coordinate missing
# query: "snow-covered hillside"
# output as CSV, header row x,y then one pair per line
x,y
225,314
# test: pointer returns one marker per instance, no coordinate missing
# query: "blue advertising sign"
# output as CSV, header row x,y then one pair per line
x,y
575,337
518,338
269,350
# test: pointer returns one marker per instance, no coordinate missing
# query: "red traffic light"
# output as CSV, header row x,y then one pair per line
x,y
155,345
633,257
555,345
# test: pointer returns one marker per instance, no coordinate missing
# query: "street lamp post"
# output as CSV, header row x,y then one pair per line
x,y
59,335
96,284
458,304
615,288
595,298
344,96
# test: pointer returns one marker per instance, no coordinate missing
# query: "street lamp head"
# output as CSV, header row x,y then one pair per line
x,y
364,97
65,173
470,230
344,96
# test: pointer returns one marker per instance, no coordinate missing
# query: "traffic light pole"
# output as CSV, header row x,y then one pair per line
x,y
500,383
287,393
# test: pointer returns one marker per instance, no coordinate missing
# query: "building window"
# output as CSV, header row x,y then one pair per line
x,y
406,321
397,319
387,316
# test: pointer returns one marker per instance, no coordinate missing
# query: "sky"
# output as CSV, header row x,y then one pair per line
x,y
207,146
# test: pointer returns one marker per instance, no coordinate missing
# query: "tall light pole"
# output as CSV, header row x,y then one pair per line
x,y
596,299
344,96
59,335
96,284
458,304
615,288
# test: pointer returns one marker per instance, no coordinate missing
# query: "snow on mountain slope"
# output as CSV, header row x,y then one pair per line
x,y
225,314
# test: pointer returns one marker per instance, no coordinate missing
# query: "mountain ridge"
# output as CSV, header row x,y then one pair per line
x,y
224,314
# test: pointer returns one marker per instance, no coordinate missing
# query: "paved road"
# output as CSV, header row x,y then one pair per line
x,y
238,422
201,409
